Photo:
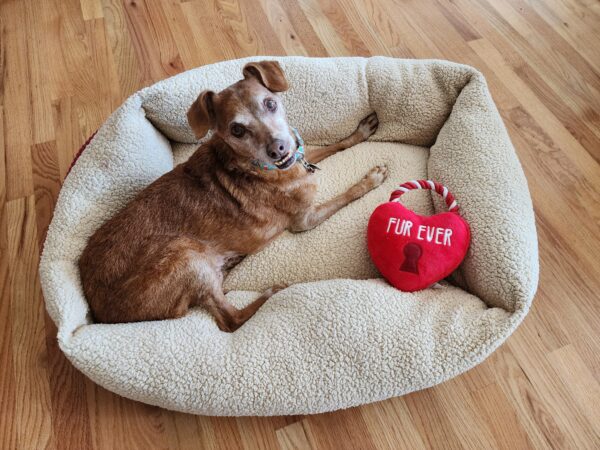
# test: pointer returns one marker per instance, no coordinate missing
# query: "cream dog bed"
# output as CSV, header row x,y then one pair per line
x,y
339,336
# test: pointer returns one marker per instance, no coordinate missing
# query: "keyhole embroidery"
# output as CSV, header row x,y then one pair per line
x,y
412,253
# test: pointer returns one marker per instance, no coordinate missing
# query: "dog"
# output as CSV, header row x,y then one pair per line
x,y
171,246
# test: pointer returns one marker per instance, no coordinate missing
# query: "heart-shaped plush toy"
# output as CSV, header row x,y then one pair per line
x,y
412,251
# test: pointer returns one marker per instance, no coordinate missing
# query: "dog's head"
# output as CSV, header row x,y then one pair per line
x,y
249,116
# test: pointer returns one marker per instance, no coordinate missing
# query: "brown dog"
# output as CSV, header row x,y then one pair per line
x,y
170,247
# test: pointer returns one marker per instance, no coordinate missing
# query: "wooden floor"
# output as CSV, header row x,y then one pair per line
x,y
66,64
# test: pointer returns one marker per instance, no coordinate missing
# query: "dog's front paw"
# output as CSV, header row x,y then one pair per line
x,y
367,126
376,176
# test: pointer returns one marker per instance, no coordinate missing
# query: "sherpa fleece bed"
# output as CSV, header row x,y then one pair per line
x,y
339,336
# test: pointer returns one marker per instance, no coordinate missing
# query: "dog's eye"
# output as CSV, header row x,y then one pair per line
x,y
271,104
238,130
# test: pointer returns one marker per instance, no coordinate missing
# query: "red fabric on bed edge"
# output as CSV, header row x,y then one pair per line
x,y
80,151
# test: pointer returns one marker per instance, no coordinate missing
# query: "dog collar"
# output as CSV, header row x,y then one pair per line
x,y
298,156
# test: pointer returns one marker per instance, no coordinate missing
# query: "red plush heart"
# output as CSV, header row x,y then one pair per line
x,y
413,252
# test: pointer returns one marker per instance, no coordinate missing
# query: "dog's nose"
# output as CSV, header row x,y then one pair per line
x,y
277,149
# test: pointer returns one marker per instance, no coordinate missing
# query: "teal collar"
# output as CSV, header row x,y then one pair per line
x,y
298,156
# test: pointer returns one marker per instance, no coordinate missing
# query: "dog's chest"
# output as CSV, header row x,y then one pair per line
x,y
299,193
282,204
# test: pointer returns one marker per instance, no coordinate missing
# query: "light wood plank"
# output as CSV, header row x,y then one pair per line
x,y
431,419
8,433
152,40
493,404
580,382
183,432
130,73
333,43
293,437
120,423
16,92
531,411
574,426
33,418
400,431
91,9
328,431
289,38
257,432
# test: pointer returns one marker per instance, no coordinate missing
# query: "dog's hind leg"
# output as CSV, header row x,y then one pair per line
x,y
227,316
161,285
177,273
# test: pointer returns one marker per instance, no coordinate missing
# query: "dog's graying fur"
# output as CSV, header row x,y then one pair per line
x,y
169,248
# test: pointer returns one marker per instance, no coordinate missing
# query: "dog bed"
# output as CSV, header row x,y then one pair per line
x,y
338,336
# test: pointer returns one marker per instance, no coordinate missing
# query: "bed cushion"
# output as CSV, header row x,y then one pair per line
x,y
339,336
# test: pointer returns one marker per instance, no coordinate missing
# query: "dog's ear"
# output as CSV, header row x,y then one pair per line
x,y
201,115
268,73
